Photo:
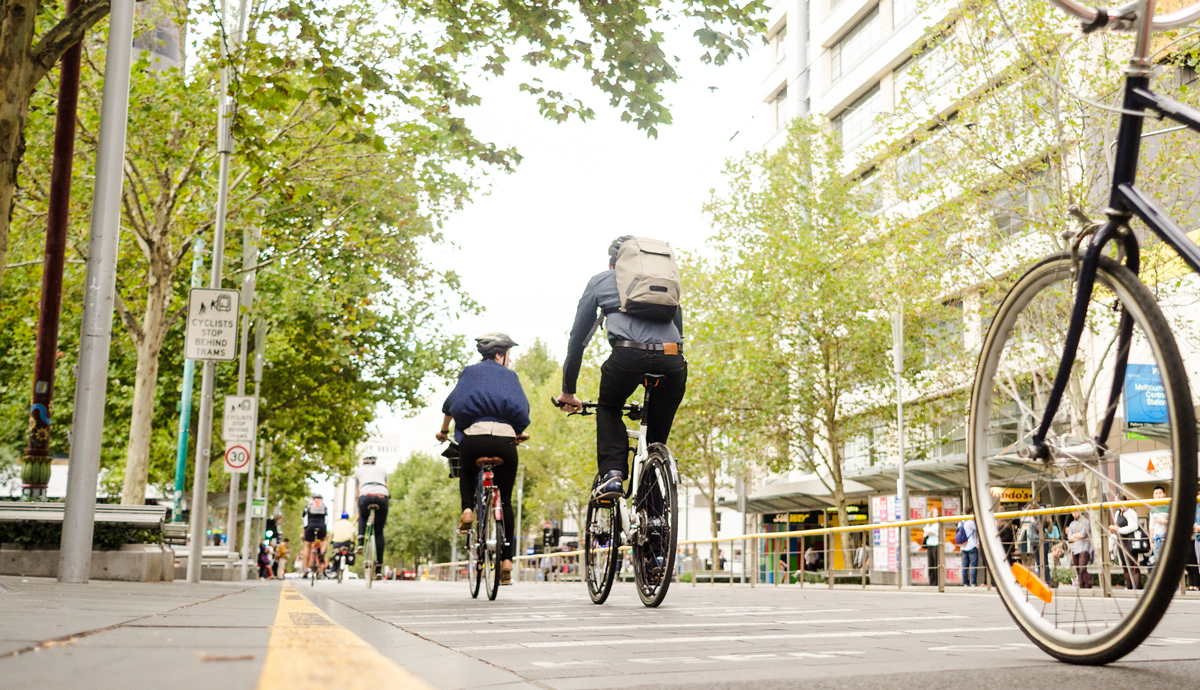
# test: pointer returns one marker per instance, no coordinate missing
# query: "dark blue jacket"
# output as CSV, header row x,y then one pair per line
x,y
487,391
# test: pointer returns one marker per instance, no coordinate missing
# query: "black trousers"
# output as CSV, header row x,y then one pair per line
x,y
620,375
505,476
380,520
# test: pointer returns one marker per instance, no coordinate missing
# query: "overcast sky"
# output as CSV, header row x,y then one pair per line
x,y
526,250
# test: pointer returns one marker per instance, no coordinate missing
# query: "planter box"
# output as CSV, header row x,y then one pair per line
x,y
132,563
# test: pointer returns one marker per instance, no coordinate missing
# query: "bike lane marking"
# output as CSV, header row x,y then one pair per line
x,y
653,626
309,651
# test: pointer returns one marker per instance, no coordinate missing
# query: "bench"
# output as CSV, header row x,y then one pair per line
x,y
146,517
175,533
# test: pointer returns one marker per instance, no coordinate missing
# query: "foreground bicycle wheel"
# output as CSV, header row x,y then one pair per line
x,y
1016,370
492,541
657,510
601,544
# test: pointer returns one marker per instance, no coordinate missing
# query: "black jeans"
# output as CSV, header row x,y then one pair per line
x,y
380,520
620,376
505,476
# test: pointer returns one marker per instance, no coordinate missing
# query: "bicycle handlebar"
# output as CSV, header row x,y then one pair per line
x,y
1121,18
632,408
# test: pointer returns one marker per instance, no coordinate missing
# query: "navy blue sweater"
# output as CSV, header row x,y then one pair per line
x,y
487,391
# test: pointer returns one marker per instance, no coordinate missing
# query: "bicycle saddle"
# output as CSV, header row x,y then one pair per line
x,y
495,462
651,380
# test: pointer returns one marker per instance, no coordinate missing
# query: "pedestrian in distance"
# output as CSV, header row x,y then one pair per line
x,y
1079,536
1131,543
281,556
931,540
1159,515
966,535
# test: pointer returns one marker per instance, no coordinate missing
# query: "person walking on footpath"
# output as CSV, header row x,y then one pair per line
x,y
967,537
1079,534
931,541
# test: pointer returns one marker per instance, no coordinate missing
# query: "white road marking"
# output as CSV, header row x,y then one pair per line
x,y
731,638
648,626
561,664
673,660
636,614
980,647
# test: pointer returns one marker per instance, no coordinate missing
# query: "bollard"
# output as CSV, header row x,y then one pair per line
x,y
941,566
829,553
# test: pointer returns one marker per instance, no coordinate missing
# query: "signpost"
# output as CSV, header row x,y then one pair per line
x,y
212,325
259,508
237,458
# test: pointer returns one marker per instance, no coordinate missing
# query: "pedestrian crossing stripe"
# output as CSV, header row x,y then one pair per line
x,y
309,651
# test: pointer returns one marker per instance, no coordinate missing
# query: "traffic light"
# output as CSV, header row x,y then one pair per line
x,y
270,531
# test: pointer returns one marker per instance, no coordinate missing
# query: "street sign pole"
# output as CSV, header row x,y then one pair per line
x,y
901,483
100,284
185,402
204,438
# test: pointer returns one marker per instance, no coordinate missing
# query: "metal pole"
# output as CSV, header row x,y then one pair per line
x,y
35,474
75,554
249,259
185,400
901,483
517,532
204,430
246,553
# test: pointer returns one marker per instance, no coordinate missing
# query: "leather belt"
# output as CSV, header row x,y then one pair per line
x,y
666,348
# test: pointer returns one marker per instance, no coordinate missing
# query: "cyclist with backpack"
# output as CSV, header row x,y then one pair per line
x,y
639,297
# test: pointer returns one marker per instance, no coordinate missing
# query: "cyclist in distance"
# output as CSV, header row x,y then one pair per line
x,y
314,526
490,413
370,488
640,346
342,534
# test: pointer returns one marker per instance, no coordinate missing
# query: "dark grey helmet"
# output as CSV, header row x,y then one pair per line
x,y
616,247
492,344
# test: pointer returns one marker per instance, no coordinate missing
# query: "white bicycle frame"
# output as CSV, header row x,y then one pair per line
x,y
629,523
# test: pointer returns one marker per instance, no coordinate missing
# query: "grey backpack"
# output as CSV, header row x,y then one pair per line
x,y
648,279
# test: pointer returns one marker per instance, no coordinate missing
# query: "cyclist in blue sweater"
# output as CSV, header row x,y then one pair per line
x,y
490,413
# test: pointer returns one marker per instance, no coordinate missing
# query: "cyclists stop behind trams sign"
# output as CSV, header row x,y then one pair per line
x,y
240,418
211,333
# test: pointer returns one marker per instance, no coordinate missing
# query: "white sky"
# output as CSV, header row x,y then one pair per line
x,y
526,250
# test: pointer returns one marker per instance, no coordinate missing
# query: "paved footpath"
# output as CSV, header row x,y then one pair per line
x,y
419,636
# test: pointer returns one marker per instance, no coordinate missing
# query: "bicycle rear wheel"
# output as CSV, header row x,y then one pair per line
x,y
601,544
656,505
492,531
476,543
1018,362
369,554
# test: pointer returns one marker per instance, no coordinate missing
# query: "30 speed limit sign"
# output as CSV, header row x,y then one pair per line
x,y
237,457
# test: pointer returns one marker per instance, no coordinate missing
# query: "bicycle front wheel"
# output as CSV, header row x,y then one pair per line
x,y
369,555
492,531
655,503
601,544
1076,607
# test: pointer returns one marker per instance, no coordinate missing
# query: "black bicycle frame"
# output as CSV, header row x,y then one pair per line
x,y
1126,201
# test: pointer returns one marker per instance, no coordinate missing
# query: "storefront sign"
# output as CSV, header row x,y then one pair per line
x,y
1012,494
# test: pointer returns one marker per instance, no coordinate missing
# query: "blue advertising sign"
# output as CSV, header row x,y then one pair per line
x,y
1145,401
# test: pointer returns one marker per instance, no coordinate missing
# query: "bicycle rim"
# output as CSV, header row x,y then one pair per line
x,y
474,562
602,539
1057,609
657,510
493,532
369,555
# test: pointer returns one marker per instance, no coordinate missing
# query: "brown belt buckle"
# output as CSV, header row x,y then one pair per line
x,y
670,348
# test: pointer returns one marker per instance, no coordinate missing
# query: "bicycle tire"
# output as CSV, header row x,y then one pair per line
x,y
601,546
475,543
492,526
1042,292
341,570
369,563
655,502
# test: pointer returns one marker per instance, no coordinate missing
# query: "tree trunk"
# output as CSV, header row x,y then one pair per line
x,y
141,427
16,36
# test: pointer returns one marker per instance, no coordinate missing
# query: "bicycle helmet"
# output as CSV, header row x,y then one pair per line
x,y
316,496
616,247
345,515
369,460
492,344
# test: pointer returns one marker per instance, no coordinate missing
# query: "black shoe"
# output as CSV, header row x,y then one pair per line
x,y
609,486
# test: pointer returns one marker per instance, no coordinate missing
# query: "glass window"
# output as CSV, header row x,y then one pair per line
x,y
856,123
856,44
780,42
782,111
902,11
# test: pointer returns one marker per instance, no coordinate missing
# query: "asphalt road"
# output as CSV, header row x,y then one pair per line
x,y
552,636
262,636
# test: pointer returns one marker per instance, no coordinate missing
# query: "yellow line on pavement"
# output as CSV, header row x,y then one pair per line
x,y
309,650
